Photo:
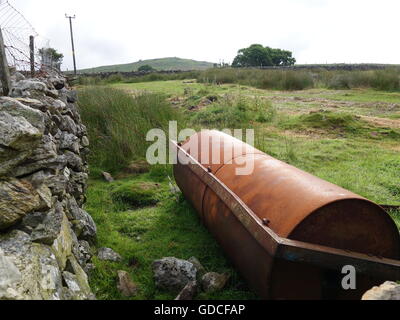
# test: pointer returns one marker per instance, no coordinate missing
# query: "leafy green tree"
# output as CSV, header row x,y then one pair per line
x,y
281,57
146,68
254,56
52,53
259,56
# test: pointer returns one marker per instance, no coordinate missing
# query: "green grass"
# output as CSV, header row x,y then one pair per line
x,y
158,64
328,120
173,87
147,234
395,214
181,88
138,194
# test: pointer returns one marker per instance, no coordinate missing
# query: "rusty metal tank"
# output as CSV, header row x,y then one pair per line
x,y
288,232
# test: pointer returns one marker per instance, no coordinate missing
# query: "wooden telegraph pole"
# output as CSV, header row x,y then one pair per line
x,y
4,70
72,39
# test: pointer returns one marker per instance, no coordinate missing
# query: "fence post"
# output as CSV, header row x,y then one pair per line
x,y
4,70
32,57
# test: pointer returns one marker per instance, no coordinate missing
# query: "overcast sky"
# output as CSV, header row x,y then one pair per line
x,y
123,31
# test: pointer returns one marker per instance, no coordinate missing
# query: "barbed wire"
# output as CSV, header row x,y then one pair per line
x,y
17,30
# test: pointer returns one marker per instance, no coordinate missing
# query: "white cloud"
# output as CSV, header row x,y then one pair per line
x,y
121,31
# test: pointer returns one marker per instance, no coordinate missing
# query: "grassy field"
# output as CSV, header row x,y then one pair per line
x,y
348,137
321,130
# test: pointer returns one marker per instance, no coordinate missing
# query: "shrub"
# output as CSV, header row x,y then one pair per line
x,y
388,80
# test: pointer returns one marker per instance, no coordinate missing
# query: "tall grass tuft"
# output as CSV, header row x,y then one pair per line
x,y
388,80
118,123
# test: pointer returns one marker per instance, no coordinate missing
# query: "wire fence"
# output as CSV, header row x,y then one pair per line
x,y
17,34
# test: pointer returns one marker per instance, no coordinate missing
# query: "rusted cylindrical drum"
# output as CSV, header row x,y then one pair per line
x,y
296,205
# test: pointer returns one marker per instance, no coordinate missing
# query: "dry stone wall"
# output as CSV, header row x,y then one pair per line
x,y
45,234
131,74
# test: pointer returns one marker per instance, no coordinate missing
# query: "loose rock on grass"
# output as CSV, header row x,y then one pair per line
x,y
107,177
125,285
213,281
200,269
107,254
173,274
188,292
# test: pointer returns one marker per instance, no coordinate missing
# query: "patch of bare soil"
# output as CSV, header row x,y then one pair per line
x,y
382,122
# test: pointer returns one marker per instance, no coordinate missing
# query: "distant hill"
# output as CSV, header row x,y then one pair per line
x,y
158,64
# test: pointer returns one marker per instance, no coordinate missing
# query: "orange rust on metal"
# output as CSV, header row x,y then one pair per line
x,y
285,254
